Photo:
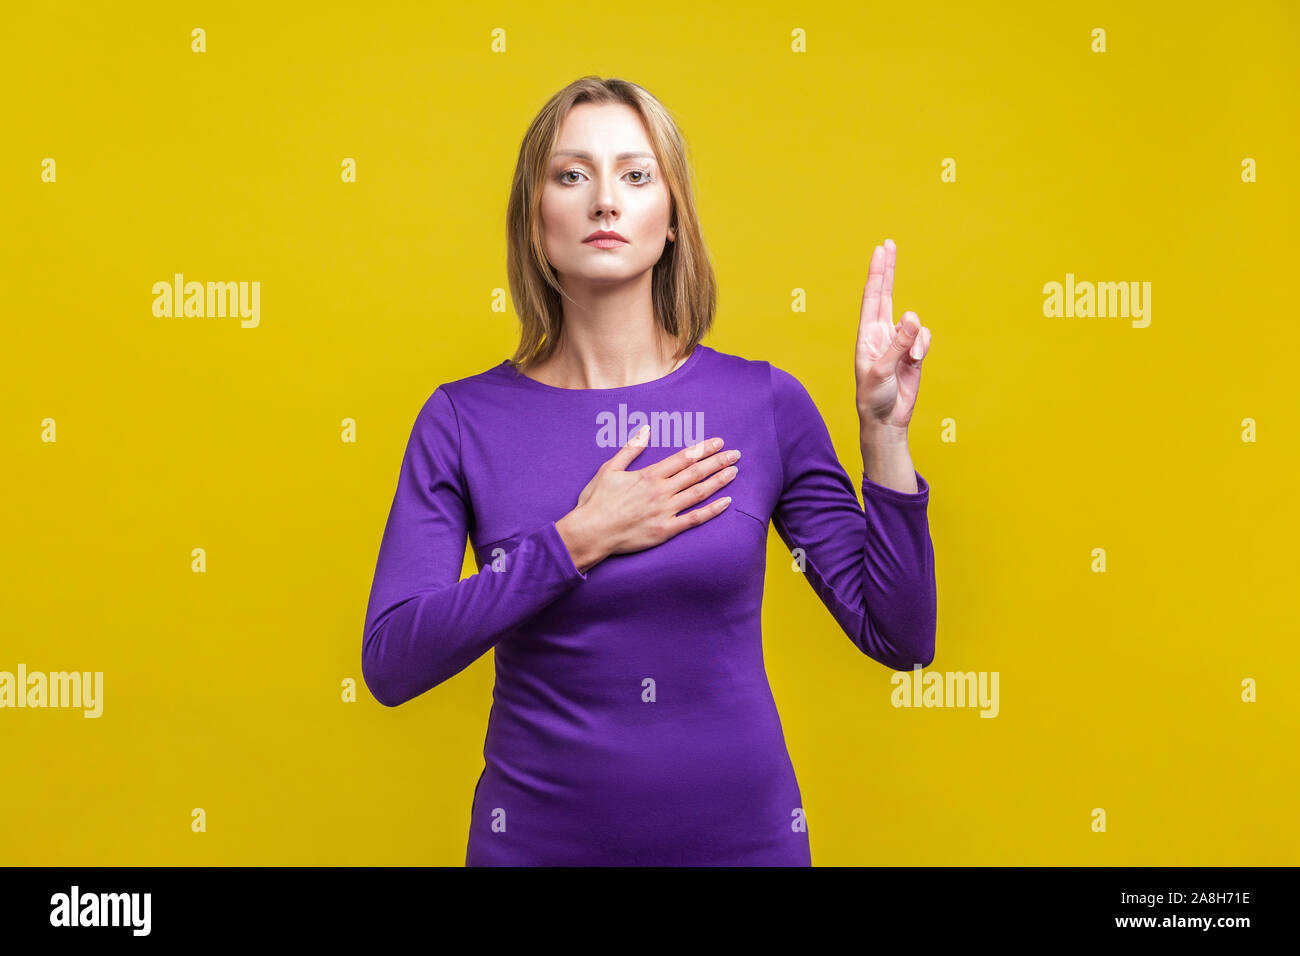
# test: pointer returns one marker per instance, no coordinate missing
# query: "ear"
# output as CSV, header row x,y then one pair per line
x,y
672,234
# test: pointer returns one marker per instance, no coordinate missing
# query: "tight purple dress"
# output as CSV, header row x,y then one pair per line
x,y
631,721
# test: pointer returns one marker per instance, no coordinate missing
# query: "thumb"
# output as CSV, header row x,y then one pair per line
x,y
625,455
904,337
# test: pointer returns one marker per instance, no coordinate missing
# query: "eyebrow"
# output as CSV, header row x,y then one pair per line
x,y
587,156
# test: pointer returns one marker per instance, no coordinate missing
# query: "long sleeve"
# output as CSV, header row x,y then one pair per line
x,y
872,568
424,623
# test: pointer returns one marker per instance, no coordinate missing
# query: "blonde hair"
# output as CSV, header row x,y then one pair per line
x,y
683,288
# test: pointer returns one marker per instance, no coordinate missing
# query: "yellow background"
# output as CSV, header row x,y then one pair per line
x,y
222,690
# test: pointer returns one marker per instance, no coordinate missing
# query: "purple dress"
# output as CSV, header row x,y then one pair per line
x,y
632,722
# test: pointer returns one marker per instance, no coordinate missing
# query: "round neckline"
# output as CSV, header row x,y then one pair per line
x,y
675,375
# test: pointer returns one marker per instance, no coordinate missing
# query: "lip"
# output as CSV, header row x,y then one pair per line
x,y
605,239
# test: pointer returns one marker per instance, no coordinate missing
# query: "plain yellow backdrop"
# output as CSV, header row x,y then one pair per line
x,y
1118,690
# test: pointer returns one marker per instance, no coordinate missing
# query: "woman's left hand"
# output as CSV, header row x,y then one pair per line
x,y
888,359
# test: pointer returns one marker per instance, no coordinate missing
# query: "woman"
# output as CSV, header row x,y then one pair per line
x,y
632,721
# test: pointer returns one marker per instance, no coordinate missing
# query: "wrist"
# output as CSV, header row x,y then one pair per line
x,y
883,435
887,461
581,540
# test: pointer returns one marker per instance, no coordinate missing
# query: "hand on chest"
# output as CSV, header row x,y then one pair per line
x,y
539,476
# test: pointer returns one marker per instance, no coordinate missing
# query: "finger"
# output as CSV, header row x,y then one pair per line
x,y
920,346
694,473
625,455
909,374
887,287
871,292
683,459
904,337
696,492
679,523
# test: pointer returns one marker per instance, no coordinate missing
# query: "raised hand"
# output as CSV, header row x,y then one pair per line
x,y
887,364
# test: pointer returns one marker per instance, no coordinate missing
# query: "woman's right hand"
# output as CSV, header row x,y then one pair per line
x,y
621,511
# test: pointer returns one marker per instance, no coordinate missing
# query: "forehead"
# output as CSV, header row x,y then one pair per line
x,y
592,130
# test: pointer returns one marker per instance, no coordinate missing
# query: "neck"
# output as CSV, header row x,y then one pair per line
x,y
609,343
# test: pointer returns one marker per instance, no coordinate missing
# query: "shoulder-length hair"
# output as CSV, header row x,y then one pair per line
x,y
683,288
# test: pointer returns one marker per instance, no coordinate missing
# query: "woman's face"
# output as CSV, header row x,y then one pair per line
x,y
603,189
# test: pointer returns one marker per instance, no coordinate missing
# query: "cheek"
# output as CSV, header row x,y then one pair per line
x,y
555,221
555,208
654,208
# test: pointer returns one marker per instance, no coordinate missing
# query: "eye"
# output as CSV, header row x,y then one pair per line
x,y
644,174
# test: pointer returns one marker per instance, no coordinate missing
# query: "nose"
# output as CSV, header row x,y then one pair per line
x,y
604,202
